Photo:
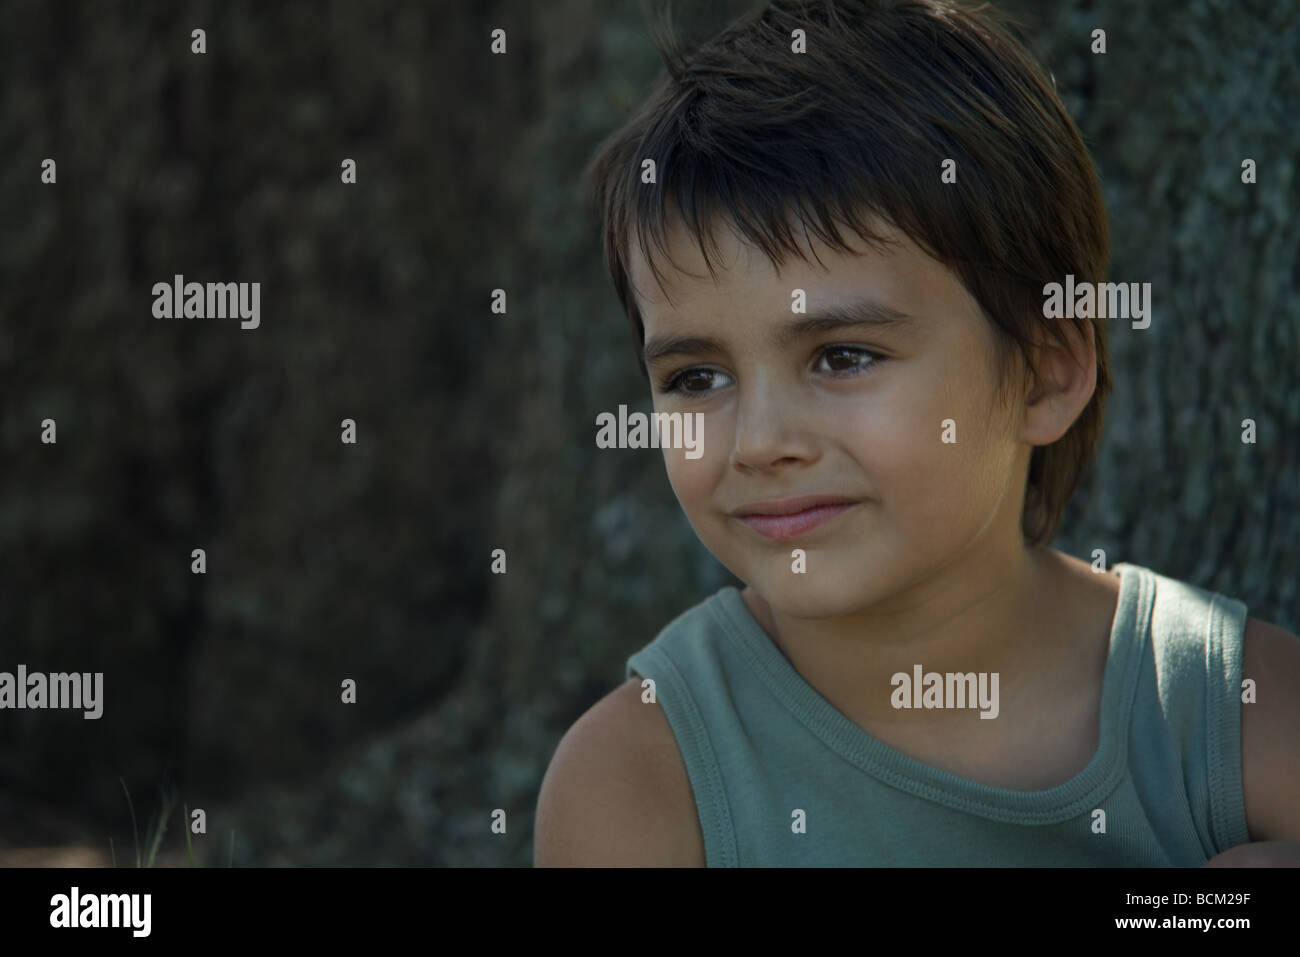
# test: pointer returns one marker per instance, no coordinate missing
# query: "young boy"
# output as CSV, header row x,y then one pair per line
x,y
862,204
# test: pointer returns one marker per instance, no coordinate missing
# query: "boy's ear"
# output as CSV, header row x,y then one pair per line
x,y
1063,382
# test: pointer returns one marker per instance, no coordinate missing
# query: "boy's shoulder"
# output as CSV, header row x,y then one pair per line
x,y
1270,730
617,792
1270,712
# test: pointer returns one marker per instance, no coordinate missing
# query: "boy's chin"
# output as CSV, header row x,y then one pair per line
x,y
803,596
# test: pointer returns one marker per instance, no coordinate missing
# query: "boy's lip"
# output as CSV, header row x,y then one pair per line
x,y
786,518
792,506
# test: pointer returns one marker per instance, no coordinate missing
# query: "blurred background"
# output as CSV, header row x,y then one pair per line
x,y
475,430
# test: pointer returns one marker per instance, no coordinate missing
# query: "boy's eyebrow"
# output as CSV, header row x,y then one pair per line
x,y
663,346
856,312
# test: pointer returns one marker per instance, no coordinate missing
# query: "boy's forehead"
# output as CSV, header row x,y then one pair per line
x,y
683,271
899,275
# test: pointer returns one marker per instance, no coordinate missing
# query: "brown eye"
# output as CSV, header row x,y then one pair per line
x,y
698,381
840,360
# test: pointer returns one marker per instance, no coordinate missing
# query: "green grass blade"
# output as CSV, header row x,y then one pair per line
x,y
160,831
135,833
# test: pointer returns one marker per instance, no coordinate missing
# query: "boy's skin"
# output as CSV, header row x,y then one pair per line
x,y
929,567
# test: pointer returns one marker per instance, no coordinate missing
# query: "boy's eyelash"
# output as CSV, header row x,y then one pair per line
x,y
673,382
875,357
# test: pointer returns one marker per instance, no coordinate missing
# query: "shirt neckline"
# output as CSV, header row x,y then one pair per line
x,y
1080,794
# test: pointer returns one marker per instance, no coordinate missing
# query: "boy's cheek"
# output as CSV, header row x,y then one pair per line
x,y
909,461
692,469
693,482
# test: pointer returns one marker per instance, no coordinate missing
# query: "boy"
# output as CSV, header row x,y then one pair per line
x,y
862,204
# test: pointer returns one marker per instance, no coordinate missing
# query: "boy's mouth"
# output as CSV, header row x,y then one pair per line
x,y
787,518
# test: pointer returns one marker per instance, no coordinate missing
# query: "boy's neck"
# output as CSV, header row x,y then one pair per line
x,y
1012,611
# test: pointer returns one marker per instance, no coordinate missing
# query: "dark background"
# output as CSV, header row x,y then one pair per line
x,y
475,430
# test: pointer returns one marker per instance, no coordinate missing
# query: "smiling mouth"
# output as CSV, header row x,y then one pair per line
x,y
790,524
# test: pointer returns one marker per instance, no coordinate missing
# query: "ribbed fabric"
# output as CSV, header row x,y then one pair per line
x,y
759,742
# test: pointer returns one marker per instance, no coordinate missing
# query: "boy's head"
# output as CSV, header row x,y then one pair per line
x,y
824,171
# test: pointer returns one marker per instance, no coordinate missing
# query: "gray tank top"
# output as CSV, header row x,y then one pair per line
x,y
761,745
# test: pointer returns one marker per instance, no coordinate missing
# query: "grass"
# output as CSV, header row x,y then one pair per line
x,y
157,830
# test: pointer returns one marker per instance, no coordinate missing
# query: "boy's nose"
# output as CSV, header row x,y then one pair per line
x,y
769,430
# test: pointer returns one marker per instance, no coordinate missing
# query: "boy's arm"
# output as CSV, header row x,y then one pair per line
x,y
616,793
1270,750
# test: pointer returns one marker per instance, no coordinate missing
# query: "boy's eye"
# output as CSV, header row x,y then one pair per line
x,y
846,360
833,360
696,381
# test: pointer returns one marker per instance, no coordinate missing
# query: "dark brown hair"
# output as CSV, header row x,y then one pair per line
x,y
859,126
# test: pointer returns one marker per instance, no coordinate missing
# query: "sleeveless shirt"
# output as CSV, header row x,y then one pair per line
x,y
761,745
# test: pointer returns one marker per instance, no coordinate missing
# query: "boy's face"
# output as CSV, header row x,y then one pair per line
x,y
793,409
